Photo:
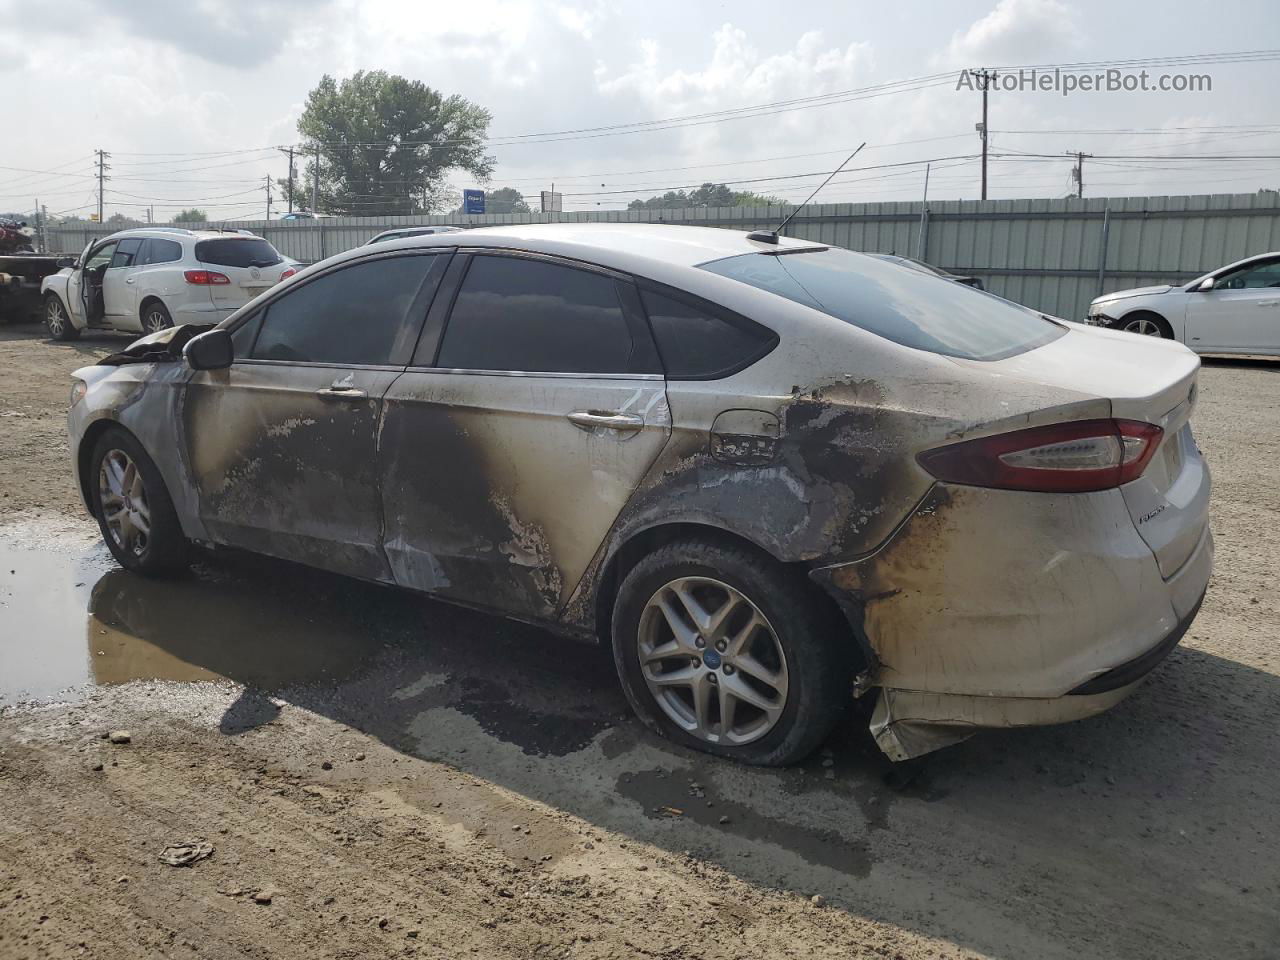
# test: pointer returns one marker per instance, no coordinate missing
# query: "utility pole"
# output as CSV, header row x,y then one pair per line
x,y
1077,172
102,171
315,183
267,183
39,228
985,77
288,152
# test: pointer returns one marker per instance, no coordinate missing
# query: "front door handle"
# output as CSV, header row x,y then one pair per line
x,y
609,419
341,393
128,279
1269,303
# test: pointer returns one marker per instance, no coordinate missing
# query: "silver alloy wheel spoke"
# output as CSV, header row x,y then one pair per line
x,y
123,497
712,661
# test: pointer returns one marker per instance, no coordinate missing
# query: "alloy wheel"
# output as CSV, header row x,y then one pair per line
x,y
155,322
55,317
712,661
1144,327
124,502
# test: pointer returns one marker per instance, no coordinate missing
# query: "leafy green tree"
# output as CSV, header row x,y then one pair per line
x,y
707,195
118,218
192,215
386,144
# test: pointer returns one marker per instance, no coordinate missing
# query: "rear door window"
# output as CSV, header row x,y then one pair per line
x,y
159,251
359,315
238,252
905,306
126,254
699,342
533,316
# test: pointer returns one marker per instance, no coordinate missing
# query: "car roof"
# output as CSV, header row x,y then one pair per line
x,y
618,244
170,233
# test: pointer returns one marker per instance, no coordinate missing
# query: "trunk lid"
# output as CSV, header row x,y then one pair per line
x,y
1145,379
250,263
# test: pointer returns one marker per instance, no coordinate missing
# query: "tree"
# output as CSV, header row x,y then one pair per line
x,y
118,218
193,215
707,195
386,143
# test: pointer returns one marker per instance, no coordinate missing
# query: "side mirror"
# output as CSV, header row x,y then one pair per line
x,y
209,351
1206,286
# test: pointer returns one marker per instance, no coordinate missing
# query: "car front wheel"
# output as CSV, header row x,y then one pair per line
x,y
1147,325
56,319
723,650
133,508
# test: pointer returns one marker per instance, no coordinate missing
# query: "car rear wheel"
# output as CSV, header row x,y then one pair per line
x,y
724,650
155,317
133,508
56,319
1147,325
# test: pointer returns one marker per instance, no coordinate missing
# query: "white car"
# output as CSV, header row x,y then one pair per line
x,y
399,233
1234,309
145,280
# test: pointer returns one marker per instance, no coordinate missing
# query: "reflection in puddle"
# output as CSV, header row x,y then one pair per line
x,y
68,620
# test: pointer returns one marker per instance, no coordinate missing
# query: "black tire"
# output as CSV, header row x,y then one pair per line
x,y
57,321
1141,322
819,653
155,317
164,551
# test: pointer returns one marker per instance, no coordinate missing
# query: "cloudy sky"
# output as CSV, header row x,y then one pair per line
x,y
192,98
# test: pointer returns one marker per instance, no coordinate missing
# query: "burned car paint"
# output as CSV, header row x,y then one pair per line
x,y
527,493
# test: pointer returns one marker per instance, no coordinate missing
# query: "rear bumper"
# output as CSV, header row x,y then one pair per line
x,y
1001,609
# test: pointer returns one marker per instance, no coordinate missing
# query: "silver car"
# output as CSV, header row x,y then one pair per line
x,y
773,475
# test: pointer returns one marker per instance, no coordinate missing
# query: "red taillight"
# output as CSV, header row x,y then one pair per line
x,y
288,273
1071,457
205,278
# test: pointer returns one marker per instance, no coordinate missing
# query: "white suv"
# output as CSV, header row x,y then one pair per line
x,y
145,280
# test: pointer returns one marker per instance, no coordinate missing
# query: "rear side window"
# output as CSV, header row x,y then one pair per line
x,y
905,306
238,252
532,316
697,344
126,254
356,315
160,251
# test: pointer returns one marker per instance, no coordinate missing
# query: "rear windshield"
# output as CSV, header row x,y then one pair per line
x,y
906,306
238,252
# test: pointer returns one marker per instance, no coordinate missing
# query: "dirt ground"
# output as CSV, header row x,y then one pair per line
x,y
382,775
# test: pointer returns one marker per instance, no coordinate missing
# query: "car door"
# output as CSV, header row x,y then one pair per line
x,y
1241,313
282,445
92,278
527,419
119,285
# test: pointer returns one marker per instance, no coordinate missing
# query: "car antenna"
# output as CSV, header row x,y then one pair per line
x,y
771,236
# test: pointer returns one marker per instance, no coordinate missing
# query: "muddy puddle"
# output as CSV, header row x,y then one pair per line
x,y
70,621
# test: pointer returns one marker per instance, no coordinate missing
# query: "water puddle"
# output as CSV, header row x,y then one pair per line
x,y
68,621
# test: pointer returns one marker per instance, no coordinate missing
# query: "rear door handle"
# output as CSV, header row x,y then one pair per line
x,y
341,393
610,420
1269,303
128,279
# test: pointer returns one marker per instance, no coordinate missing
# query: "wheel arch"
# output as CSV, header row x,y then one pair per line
x,y
1146,311
639,543
147,301
85,451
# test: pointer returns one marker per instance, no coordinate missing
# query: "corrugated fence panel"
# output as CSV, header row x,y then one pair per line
x,y
1044,253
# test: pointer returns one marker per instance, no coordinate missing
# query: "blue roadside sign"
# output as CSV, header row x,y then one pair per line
x,y
473,201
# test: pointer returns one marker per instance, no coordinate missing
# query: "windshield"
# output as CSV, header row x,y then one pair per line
x,y
908,307
238,252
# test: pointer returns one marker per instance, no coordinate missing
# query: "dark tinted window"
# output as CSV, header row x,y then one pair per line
x,y
517,314
355,315
906,306
238,252
243,336
126,252
698,345
160,251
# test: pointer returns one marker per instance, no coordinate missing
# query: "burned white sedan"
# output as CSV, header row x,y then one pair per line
x,y
773,475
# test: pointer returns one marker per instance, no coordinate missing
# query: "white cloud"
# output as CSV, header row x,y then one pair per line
x,y
1015,32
